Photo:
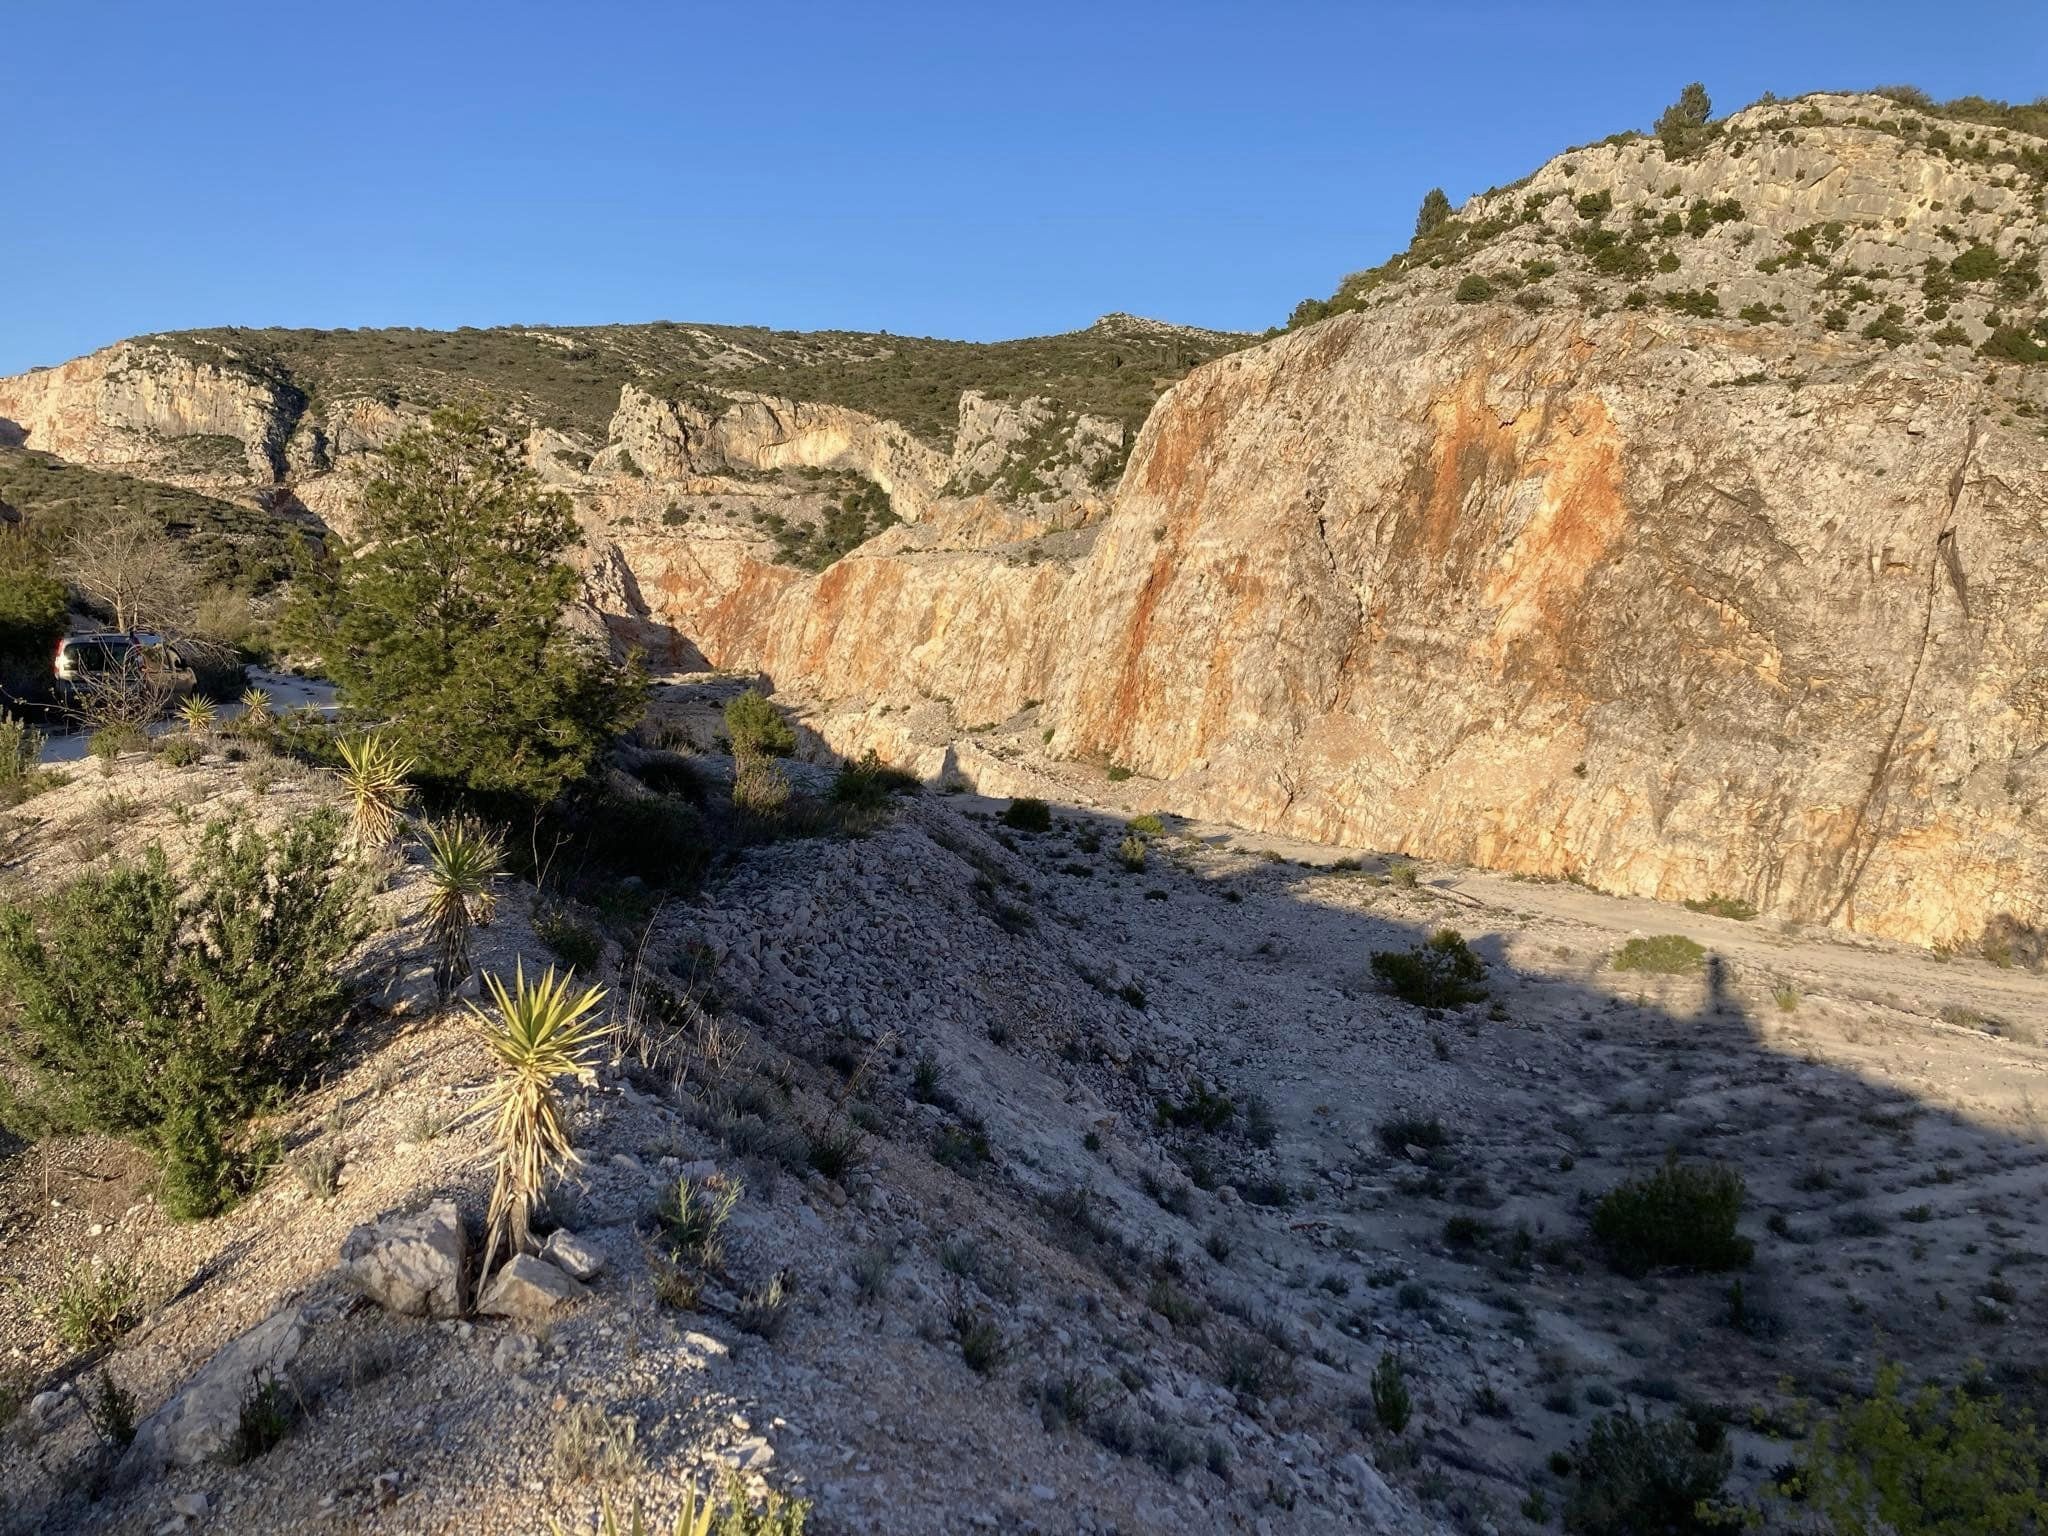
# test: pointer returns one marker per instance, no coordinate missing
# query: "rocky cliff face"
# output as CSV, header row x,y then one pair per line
x,y
1614,590
1585,598
152,411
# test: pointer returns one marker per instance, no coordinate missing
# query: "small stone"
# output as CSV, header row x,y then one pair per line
x,y
574,1256
384,1488
191,1506
527,1287
516,1352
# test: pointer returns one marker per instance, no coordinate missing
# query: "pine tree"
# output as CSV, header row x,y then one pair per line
x,y
1682,126
443,625
1431,215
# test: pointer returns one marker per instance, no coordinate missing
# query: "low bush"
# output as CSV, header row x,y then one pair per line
x,y
1028,815
760,788
1146,826
1391,1402
1472,289
756,727
1441,972
1925,1463
1664,954
1683,1216
1723,906
173,1012
1640,1475
868,783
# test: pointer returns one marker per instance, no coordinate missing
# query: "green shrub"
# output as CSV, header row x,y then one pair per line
x,y
578,946
2011,344
760,788
1664,954
1117,773
1441,972
1976,265
1682,1216
1147,826
173,1019
21,749
1472,289
1391,1402
756,727
1926,1463
1697,302
1721,906
1027,814
1637,1476
1131,853
868,783
657,838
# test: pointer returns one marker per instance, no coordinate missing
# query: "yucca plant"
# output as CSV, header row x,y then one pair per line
x,y
463,858
374,772
700,1515
539,1032
198,714
257,714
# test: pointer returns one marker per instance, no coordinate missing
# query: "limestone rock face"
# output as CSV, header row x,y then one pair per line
x,y
197,1424
1591,598
679,440
410,1264
151,409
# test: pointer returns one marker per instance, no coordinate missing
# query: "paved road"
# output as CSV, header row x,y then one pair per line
x,y
286,692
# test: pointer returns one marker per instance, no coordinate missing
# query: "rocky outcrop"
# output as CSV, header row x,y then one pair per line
x,y
156,410
410,1264
1030,446
201,1420
1581,599
1672,604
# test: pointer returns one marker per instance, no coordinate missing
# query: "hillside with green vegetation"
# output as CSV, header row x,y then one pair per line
x,y
569,377
1690,218
229,545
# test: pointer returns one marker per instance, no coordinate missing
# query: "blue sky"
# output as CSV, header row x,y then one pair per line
x,y
958,170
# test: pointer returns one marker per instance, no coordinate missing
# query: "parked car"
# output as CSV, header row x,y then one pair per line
x,y
83,656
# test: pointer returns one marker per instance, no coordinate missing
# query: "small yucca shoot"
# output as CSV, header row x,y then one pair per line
x,y
375,774
538,1032
256,711
198,714
462,860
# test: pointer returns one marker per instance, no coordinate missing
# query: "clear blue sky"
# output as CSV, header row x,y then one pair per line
x,y
940,169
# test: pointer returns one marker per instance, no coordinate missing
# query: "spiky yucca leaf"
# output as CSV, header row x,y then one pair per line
x,y
780,1515
374,772
463,858
693,1519
256,711
538,1032
198,714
